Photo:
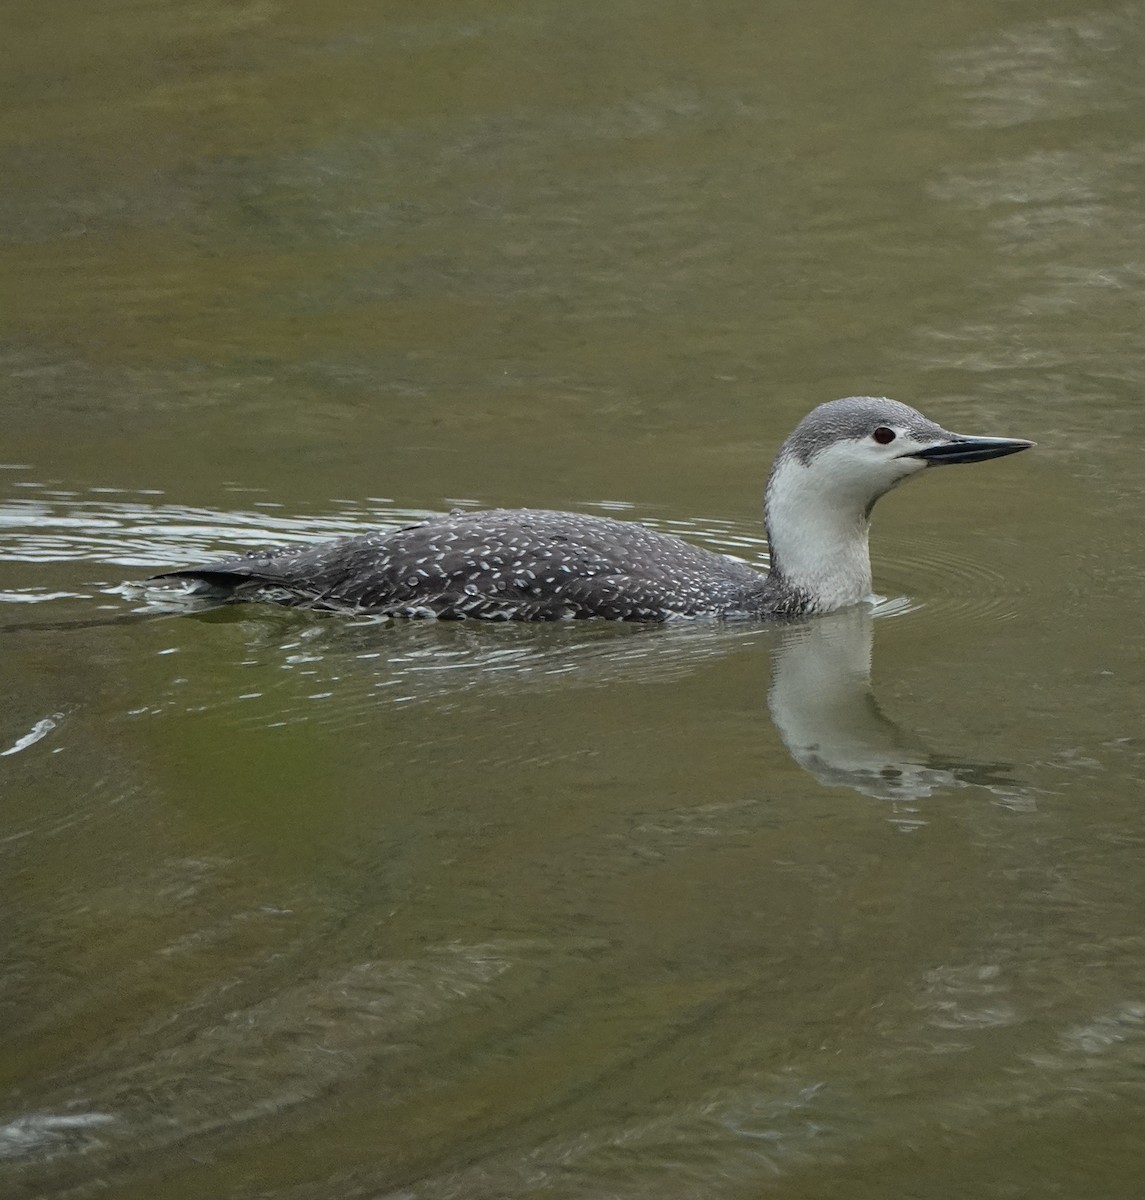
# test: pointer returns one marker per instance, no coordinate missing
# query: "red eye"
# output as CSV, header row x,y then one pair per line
x,y
883,435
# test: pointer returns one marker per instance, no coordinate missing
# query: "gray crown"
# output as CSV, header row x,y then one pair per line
x,y
855,417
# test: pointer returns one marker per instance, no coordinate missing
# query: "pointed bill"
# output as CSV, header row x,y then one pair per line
x,y
963,449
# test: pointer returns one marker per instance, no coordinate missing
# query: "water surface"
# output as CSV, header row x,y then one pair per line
x,y
308,907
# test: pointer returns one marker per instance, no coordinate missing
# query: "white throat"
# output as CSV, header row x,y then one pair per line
x,y
818,525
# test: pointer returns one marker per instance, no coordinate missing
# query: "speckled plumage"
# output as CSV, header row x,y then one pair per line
x,y
534,565
500,564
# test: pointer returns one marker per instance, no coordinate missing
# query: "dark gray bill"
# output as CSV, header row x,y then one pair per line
x,y
971,449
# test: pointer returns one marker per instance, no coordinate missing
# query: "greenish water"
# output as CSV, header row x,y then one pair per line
x,y
314,908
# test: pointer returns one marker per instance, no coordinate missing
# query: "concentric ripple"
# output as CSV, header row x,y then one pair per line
x,y
950,583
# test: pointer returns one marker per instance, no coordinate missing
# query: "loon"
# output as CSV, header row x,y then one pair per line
x,y
535,565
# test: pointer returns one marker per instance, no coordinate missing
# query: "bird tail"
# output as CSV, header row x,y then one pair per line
x,y
208,583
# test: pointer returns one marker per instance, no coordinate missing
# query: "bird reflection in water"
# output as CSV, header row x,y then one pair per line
x,y
824,710
820,696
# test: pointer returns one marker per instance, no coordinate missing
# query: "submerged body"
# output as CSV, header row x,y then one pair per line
x,y
526,564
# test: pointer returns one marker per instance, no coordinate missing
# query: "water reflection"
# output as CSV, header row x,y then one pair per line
x,y
824,709
820,696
